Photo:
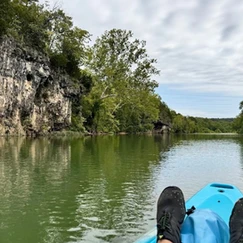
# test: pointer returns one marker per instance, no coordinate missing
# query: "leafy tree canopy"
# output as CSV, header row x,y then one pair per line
x,y
238,121
123,97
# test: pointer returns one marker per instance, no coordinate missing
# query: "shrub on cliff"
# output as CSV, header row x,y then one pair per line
x,y
48,31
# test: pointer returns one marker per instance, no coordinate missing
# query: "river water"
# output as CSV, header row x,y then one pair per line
x,y
103,189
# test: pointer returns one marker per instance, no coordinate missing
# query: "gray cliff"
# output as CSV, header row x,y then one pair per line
x,y
34,99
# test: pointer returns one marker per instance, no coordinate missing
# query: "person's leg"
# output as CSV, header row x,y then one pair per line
x,y
171,212
236,223
164,241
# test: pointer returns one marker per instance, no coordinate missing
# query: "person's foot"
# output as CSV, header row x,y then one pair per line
x,y
171,212
236,223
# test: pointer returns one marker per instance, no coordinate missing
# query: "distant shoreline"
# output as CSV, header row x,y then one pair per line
x,y
229,133
85,134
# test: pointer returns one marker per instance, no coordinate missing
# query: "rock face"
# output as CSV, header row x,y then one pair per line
x,y
33,98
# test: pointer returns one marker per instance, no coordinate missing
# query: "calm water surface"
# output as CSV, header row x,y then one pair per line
x,y
103,189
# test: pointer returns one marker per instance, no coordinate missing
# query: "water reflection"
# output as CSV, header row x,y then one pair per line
x,y
103,189
76,190
31,172
114,203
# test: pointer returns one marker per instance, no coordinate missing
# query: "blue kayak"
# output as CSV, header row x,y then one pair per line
x,y
214,200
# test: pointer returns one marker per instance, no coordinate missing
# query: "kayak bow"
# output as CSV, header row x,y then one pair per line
x,y
219,198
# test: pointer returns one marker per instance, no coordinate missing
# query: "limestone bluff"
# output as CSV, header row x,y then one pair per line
x,y
34,98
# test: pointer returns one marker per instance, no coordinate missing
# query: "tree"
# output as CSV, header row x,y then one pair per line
x,y
165,114
66,43
29,23
238,121
179,124
123,84
5,16
238,124
48,31
241,107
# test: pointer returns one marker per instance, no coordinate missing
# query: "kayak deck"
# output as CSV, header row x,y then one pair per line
x,y
217,197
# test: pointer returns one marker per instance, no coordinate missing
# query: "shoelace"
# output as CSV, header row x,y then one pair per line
x,y
164,222
241,239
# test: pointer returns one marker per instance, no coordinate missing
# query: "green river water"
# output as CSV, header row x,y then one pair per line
x,y
103,189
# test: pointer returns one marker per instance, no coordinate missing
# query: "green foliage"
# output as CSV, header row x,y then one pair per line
x,y
122,98
66,43
77,123
165,114
29,23
241,107
180,124
48,31
83,85
5,16
238,121
183,124
238,124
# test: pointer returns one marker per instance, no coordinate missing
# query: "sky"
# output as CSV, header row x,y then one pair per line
x,y
198,45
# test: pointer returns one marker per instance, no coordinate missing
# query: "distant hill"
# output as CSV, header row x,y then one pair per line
x,y
222,119
189,124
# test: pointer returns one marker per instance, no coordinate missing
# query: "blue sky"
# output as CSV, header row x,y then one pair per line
x,y
211,105
198,45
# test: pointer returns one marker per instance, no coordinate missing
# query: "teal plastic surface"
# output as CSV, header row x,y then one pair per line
x,y
217,197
